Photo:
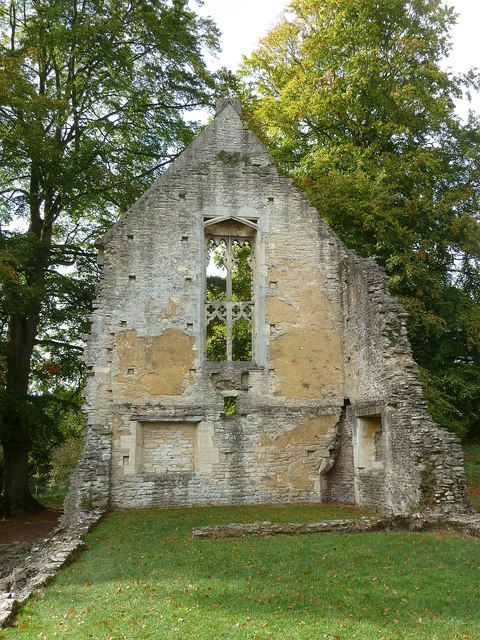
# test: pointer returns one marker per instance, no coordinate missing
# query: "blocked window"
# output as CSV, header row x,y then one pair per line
x,y
369,442
167,447
229,291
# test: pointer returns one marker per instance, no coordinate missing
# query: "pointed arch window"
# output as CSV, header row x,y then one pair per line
x,y
229,291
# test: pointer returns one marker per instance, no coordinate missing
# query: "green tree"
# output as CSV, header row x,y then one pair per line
x,y
355,104
94,96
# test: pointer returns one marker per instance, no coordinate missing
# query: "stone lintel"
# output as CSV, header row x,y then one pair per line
x,y
157,418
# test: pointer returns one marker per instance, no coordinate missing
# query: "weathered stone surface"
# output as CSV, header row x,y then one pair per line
x,y
329,408
11,555
269,529
466,525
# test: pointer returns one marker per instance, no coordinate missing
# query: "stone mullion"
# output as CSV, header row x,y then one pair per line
x,y
229,332
229,265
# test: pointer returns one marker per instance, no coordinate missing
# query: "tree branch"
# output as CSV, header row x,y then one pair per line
x,y
56,343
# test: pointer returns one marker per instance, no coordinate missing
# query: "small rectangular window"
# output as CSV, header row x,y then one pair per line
x,y
230,405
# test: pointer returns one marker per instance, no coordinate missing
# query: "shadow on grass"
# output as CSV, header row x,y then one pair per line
x,y
144,577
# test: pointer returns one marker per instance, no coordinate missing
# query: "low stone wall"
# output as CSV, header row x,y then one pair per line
x,y
39,568
12,555
466,525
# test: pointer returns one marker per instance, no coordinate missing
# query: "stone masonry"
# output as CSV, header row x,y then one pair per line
x,y
327,408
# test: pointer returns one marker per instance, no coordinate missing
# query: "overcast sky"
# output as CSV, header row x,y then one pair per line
x,y
243,23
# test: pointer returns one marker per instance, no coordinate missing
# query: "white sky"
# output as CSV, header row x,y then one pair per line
x,y
244,23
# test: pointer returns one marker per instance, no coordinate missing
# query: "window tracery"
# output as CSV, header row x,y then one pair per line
x,y
229,300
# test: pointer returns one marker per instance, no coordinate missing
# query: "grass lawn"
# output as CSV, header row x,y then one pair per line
x,y
143,577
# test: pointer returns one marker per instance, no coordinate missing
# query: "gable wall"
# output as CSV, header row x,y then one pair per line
x,y
149,373
330,347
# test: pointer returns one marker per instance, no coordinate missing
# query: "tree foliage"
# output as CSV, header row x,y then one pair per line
x,y
355,103
94,96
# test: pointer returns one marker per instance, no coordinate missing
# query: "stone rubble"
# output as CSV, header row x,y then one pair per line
x,y
465,525
11,555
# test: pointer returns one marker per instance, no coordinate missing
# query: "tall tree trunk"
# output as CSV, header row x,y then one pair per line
x,y
15,434
22,333
17,496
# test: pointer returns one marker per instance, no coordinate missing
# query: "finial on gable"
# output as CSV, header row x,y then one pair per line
x,y
221,103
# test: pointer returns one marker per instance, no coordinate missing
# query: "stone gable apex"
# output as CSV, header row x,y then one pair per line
x,y
228,111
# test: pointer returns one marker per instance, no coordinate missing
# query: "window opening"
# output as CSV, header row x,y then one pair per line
x,y
229,298
370,450
230,405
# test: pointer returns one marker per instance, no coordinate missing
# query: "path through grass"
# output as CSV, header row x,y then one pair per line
x,y
143,577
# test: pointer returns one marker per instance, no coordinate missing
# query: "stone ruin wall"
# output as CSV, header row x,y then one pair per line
x,y
149,389
326,330
421,463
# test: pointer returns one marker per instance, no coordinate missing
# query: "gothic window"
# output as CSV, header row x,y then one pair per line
x,y
229,302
